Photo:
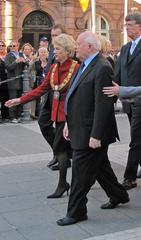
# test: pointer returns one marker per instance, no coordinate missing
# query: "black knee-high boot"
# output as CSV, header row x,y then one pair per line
x,y
63,186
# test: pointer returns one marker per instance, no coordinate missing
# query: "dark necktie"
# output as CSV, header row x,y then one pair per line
x,y
72,87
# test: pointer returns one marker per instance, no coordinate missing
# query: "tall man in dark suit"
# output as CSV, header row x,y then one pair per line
x,y
128,73
91,128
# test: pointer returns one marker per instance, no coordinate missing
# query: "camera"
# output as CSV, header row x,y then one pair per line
x,y
20,54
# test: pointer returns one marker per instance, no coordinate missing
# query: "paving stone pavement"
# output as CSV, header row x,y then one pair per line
x,y
25,181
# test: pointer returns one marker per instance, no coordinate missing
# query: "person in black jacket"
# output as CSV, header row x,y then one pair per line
x,y
128,73
44,120
3,87
15,63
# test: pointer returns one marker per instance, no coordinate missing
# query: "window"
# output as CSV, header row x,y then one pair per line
x,y
102,26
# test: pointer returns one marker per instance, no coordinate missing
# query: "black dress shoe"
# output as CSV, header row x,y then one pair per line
x,y
69,221
129,184
139,174
52,162
113,204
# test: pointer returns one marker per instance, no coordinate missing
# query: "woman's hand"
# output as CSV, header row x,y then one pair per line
x,y
20,59
111,91
12,102
33,57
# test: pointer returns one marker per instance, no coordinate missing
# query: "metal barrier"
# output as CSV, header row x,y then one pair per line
x,y
11,79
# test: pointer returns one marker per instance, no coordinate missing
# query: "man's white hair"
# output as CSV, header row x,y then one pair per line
x,y
91,38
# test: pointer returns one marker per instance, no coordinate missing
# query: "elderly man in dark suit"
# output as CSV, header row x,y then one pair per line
x,y
128,73
91,128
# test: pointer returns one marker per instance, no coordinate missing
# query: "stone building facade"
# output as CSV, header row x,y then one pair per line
x,y
29,20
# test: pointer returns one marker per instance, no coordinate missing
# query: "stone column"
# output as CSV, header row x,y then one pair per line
x,y
26,107
8,21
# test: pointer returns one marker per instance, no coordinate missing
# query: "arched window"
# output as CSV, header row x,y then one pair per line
x,y
102,26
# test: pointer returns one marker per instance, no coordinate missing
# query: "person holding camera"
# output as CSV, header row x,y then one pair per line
x,y
27,51
39,64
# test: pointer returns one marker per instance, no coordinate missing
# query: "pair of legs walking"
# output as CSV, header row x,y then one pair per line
x,y
15,112
44,121
61,149
134,155
46,127
87,167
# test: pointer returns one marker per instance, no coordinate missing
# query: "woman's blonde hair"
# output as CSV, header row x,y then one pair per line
x,y
104,44
3,43
67,42
27,44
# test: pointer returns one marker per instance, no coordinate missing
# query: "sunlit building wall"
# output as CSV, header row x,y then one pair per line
x,y
29,20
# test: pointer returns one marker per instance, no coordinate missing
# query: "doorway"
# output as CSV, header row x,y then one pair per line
x,y
36,25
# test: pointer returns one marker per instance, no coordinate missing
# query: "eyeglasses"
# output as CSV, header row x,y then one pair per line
x,y
54,35
130,25
12,45
2,46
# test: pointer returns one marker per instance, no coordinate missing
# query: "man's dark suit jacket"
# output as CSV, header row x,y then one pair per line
x,y
13,70
51,59
90,113
128,69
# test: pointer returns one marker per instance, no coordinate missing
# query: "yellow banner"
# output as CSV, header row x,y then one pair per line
x,y
84,4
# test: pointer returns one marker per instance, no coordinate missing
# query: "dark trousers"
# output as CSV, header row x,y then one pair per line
x,y
134,155
15,112
45,123
87,167
4,96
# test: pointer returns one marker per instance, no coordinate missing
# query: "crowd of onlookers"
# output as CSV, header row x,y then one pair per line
x,y
12,64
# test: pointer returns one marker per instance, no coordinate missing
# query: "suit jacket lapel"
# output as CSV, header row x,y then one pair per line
x,y
136,52
127,52
86,71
